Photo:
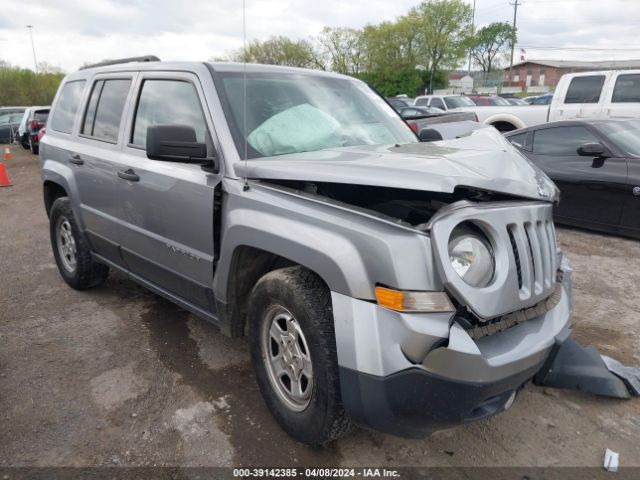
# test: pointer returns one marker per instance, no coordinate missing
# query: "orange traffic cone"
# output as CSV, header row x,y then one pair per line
x,y
7,154
4,177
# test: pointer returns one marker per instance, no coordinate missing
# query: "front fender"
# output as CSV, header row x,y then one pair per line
x,y
350,252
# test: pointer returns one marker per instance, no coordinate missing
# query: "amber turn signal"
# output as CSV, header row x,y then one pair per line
x,y
403,301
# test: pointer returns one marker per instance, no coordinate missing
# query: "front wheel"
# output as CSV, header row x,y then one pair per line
x,y
293,351
71,249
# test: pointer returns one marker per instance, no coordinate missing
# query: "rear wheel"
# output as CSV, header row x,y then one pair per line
x,y
24,141
71,249
293,351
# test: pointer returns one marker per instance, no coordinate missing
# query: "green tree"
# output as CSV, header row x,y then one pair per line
x,y
22,87
389,57
280,51
342,49
491,41
444,26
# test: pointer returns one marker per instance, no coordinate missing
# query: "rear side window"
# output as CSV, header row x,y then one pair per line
x,y
561,140
41,115
436,102
105,107
168,101
421,102
67,106
585,89
626,89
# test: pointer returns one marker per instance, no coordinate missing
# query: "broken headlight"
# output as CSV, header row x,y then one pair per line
x,y
471,255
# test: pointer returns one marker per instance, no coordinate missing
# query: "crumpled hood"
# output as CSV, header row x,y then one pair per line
x,y
484,160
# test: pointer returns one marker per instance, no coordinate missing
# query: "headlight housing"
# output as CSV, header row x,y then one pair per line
x,y
471,255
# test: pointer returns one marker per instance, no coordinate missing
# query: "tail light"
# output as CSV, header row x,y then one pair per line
x,y
36,124
414,127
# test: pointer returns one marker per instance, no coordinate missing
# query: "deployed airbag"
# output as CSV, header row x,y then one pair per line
x,y
301,128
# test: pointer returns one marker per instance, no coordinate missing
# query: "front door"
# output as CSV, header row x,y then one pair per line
x,y
592,190
168,207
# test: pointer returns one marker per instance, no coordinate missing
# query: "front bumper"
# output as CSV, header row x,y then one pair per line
x,y
408,374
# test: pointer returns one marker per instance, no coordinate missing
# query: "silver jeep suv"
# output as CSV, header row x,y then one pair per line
x,y
402,285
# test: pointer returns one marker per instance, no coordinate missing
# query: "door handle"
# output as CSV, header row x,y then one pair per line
x,y
76,160
636,191
129,175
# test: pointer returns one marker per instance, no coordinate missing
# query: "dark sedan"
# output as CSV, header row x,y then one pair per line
x,y
596,165
9,122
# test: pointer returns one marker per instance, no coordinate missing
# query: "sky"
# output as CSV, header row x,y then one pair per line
x,y
70,33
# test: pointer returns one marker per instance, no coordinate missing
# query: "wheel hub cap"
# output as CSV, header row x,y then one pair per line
x,y
287,360
66,244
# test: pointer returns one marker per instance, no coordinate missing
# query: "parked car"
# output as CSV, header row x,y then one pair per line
x,y
397,103
503,118
41,133
9,123
605,94
33,120
596,165
542,99
407,112
444,102
489,101
380,280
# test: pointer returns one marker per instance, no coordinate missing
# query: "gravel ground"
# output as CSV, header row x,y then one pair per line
x,y
120,376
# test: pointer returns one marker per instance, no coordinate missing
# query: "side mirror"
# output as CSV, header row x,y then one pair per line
x,y
429,135
592,150
175,143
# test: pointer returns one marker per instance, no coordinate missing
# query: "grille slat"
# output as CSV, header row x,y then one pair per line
x,y
533,247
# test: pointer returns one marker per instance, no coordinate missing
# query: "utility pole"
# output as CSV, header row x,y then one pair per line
x,y
473,29
515,16
35,62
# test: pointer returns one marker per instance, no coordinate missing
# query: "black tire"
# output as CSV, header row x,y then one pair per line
x,y
24,141
307,298
87,273
35,148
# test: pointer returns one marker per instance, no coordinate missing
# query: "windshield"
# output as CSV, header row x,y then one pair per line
x,y
458,101
293,113
625,135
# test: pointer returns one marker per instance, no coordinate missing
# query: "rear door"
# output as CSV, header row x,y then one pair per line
x,y
623,98
591,190
583,99
169,207
97,147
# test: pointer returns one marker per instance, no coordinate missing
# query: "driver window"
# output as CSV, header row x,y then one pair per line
x,y
168,102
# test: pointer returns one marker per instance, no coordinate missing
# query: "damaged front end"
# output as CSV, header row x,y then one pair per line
x,y
410,372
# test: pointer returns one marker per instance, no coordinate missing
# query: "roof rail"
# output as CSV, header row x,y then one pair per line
x,y
145,58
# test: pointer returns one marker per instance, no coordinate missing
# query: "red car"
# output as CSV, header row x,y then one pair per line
x,y
489,101
41,133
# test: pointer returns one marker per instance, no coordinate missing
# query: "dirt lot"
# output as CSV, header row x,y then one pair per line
x,y
119,376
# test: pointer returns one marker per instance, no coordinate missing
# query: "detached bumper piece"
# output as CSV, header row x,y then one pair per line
x,y
575,367
630,375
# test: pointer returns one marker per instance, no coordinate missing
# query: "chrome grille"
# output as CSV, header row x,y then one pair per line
x,y
523,238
